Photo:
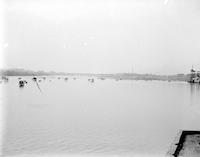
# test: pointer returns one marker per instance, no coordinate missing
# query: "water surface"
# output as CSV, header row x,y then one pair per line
x,y
104,118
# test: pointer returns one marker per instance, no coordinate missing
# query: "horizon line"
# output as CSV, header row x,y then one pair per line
x,y
52,71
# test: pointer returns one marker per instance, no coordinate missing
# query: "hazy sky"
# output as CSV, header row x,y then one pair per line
x,y
102,36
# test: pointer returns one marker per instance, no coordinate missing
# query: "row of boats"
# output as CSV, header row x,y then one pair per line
x,y
22,82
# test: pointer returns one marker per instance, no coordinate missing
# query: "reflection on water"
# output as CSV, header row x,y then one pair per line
x,y
194,89
102,118
194,94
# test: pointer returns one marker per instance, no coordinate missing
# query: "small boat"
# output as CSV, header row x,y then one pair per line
x,y
5,79
21,83
34,79
91,80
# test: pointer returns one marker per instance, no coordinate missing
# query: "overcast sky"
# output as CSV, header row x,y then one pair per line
x,y
102,36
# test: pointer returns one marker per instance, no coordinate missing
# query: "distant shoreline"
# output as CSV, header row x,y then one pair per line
x,y
116,76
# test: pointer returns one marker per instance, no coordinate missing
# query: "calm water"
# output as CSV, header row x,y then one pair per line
x,y
104,118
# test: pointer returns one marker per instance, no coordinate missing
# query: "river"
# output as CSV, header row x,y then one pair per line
x,y
105,118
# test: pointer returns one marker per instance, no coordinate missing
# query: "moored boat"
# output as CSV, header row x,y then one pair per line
x,y
194,76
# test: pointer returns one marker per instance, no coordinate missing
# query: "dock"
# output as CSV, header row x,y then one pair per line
x,y
186,144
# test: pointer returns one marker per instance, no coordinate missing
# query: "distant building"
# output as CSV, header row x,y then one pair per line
x,y
194,76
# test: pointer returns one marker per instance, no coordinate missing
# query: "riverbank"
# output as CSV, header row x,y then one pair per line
x,y
116,76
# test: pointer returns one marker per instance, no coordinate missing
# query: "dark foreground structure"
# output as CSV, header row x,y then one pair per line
x,y
188,145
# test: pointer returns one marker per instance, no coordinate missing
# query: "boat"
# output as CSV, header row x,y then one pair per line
x,y
4,78
34,79
194,76
91,80
22,82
